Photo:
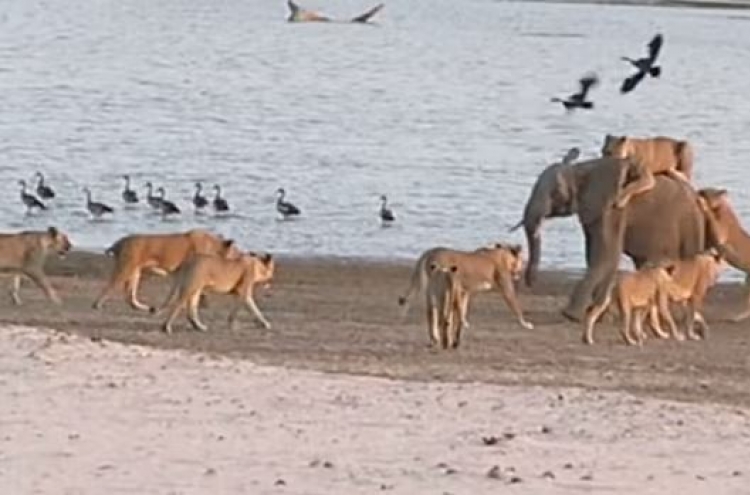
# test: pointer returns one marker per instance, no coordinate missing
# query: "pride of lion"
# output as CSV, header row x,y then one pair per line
x,y
199,261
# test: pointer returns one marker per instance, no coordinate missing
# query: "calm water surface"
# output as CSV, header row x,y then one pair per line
x,y
443,106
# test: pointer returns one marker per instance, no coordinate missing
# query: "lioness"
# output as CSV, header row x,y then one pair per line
x,y
161,254
691,279
734,241
24,253
237,276
635,293
480,270
658,155
445,306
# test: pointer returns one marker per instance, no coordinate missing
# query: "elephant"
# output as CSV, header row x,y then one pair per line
x,y
665,222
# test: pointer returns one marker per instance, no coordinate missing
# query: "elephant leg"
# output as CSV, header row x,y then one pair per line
x,y
604,247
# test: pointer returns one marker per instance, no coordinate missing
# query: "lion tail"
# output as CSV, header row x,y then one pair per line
x,y
684,154
417,282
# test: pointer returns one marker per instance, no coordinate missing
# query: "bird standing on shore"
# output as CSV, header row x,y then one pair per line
x,y
220,204
578,100
30,200
95,208
153,201
167,207
386,214
644,65
286,208
43,190
129,195
199,201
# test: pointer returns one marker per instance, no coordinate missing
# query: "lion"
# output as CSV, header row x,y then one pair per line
x,y
484,269
691,277
445,306
24,253
635,293
733,240
658,155
236,276
160,254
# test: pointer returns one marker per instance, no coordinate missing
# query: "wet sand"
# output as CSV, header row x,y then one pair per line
x,y
342,316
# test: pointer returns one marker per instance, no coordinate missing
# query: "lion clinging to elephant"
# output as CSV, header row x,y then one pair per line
x,y
663,222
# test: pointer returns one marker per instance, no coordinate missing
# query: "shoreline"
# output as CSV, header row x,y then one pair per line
x,y
687,4
90,264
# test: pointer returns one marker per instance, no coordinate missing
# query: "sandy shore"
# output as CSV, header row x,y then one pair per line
x,y
85,417
250,411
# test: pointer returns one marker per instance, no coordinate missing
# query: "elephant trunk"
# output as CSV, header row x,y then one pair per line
x,y
532,225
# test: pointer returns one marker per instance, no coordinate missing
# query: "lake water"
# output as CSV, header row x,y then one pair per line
x,y
443,106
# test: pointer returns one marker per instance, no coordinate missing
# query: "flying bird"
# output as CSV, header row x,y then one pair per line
x,y
578,100
644,65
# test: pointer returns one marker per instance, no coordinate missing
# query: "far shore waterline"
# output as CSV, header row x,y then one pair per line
x,y
696,4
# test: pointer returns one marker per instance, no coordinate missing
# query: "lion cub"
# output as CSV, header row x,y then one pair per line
x,y
652,156
236,276
635,293
445,306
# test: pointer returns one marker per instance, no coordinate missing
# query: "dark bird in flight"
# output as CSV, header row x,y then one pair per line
x,y
578,100
644,65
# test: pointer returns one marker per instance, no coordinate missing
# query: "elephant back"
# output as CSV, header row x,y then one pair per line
x,y
665,222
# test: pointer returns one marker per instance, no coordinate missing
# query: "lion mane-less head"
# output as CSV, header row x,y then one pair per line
x,y
511,256
263,266
616,146
58,241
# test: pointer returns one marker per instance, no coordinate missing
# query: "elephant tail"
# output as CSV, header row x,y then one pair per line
x,y
516,226
684,154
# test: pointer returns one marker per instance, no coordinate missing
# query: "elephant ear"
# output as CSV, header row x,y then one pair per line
x,y
598,185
